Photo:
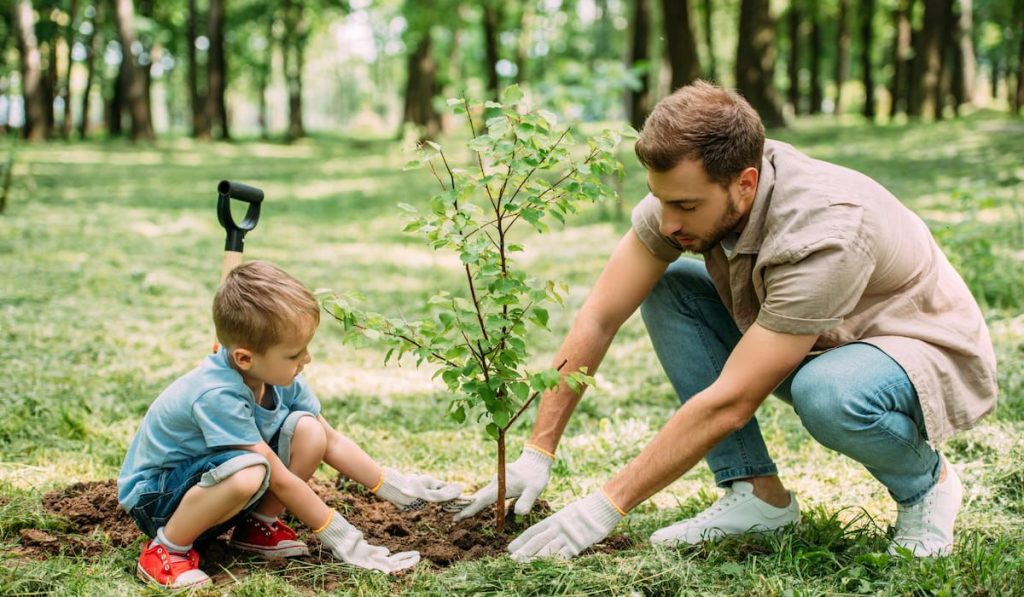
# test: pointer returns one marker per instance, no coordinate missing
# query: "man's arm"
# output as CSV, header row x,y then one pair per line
x,y
631,273
759,363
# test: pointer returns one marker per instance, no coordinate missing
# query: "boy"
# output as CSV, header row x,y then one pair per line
x,y
233,442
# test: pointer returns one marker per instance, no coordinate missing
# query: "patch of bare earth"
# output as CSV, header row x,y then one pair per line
x,y
98,524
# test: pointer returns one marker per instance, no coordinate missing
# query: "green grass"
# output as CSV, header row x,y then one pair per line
x,y
110,254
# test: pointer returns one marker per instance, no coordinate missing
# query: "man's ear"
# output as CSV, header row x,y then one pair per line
x,y
242,357
746,182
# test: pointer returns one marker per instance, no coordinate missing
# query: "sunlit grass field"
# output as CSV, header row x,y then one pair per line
x,y
110,254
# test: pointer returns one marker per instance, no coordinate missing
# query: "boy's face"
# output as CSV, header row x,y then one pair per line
x,y
280,363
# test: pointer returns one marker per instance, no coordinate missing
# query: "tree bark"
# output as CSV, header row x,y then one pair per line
x,y
967,68
421,87
115,109
899,84
755,60
263,78
842,51
950,49
815,51
867,14
1018,102
707,14
216,71
94,47
638,100
293,48
31,72
795,18
138,99
196,100
65,88
926,97
492,28
50,89
681,45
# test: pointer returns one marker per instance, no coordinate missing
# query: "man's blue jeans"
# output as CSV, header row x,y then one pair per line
x,y
853,399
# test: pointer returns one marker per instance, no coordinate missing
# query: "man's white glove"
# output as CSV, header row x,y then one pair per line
x,y
347,544
413,492
524,479
569,531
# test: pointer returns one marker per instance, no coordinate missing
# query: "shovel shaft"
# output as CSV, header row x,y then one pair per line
x,y
232,259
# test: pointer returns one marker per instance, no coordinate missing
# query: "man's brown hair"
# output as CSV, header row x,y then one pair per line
x,y
260,305
702,122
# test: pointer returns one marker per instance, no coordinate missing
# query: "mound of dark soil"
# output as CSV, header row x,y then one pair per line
x,y
97,524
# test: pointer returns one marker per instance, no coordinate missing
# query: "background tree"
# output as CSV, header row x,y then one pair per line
x,y
815,51
755,60
707,13
422,76
794,20
135,89
926,100
93,46
638,100
680,43
35,128
216,71
899,83
842,64
867,29
491,21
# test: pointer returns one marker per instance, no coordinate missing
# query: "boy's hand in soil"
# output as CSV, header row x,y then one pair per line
x,y
569,531
524,479
412,492
347,544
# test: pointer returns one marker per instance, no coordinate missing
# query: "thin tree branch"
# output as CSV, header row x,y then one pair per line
x,y
434,172
528,402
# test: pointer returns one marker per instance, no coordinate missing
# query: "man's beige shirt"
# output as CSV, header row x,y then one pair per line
x,y
826,250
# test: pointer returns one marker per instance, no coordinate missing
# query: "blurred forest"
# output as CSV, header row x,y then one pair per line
x,y
215,69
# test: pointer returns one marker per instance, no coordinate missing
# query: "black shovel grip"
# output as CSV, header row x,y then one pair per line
x,y
226,191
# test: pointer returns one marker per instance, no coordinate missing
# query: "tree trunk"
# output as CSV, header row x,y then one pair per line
x,y
842,51
94,47
263,78
815,52
138,99
867,14
755,60
50,83
638,100
1018,102
216,71
499,504
949,48
492,25
707,13
421,87
65,88
31,72
925,99
901,54
605,31
523,43
196,100
793,27
293,47
966,71
115,111
681,45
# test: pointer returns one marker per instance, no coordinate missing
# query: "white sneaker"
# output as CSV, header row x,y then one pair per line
x,y
926,528
735,513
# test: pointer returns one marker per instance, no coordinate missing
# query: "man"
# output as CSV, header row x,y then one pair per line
x,y
817,285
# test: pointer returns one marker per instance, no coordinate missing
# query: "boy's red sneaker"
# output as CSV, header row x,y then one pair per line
x,y
274,540
170,569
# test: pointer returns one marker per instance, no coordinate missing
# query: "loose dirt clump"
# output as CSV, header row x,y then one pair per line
x,y
97,524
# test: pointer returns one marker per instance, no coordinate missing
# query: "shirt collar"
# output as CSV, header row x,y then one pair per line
x,y
753,233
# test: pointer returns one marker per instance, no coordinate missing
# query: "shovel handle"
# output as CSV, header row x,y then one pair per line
x,y
226,191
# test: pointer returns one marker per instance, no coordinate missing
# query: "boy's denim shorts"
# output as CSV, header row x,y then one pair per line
x,y
165,492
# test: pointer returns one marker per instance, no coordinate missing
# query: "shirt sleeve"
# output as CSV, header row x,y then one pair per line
x,y
225,419
646,219
815,293
301,397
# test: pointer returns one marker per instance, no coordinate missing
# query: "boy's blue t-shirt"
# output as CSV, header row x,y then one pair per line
x,y
208,409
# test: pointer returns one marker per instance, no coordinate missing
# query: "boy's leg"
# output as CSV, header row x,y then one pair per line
x,y
204,508
306,442
858,401
693,335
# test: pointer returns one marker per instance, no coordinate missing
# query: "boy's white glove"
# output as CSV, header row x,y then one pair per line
x,y
524,479
569,531
347,544
414,491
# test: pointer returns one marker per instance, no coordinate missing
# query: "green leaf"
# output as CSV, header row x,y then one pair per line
x,y
407,207
492,104
520,389
512,95
492,430
540,316
459,414
501,417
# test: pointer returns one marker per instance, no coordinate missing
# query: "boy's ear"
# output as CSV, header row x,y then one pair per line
x,y
242,358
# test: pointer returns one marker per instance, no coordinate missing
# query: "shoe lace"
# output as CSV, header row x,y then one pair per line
x,y
912,518
722,503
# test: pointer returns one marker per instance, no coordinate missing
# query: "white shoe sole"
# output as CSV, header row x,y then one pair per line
x,y
146,578
278,553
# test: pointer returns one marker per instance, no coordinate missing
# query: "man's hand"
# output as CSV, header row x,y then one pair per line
x,y
524,479
414,491
569,531
347,544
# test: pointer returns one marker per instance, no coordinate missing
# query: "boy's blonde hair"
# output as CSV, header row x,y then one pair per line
x,y
259,305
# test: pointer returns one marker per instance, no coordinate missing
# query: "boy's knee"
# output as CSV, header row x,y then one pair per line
x,y
248,481
309,436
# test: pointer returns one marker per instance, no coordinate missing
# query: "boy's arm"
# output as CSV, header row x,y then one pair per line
x,y
404,491
293,492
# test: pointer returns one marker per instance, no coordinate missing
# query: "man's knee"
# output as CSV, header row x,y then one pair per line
x,y
823,405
